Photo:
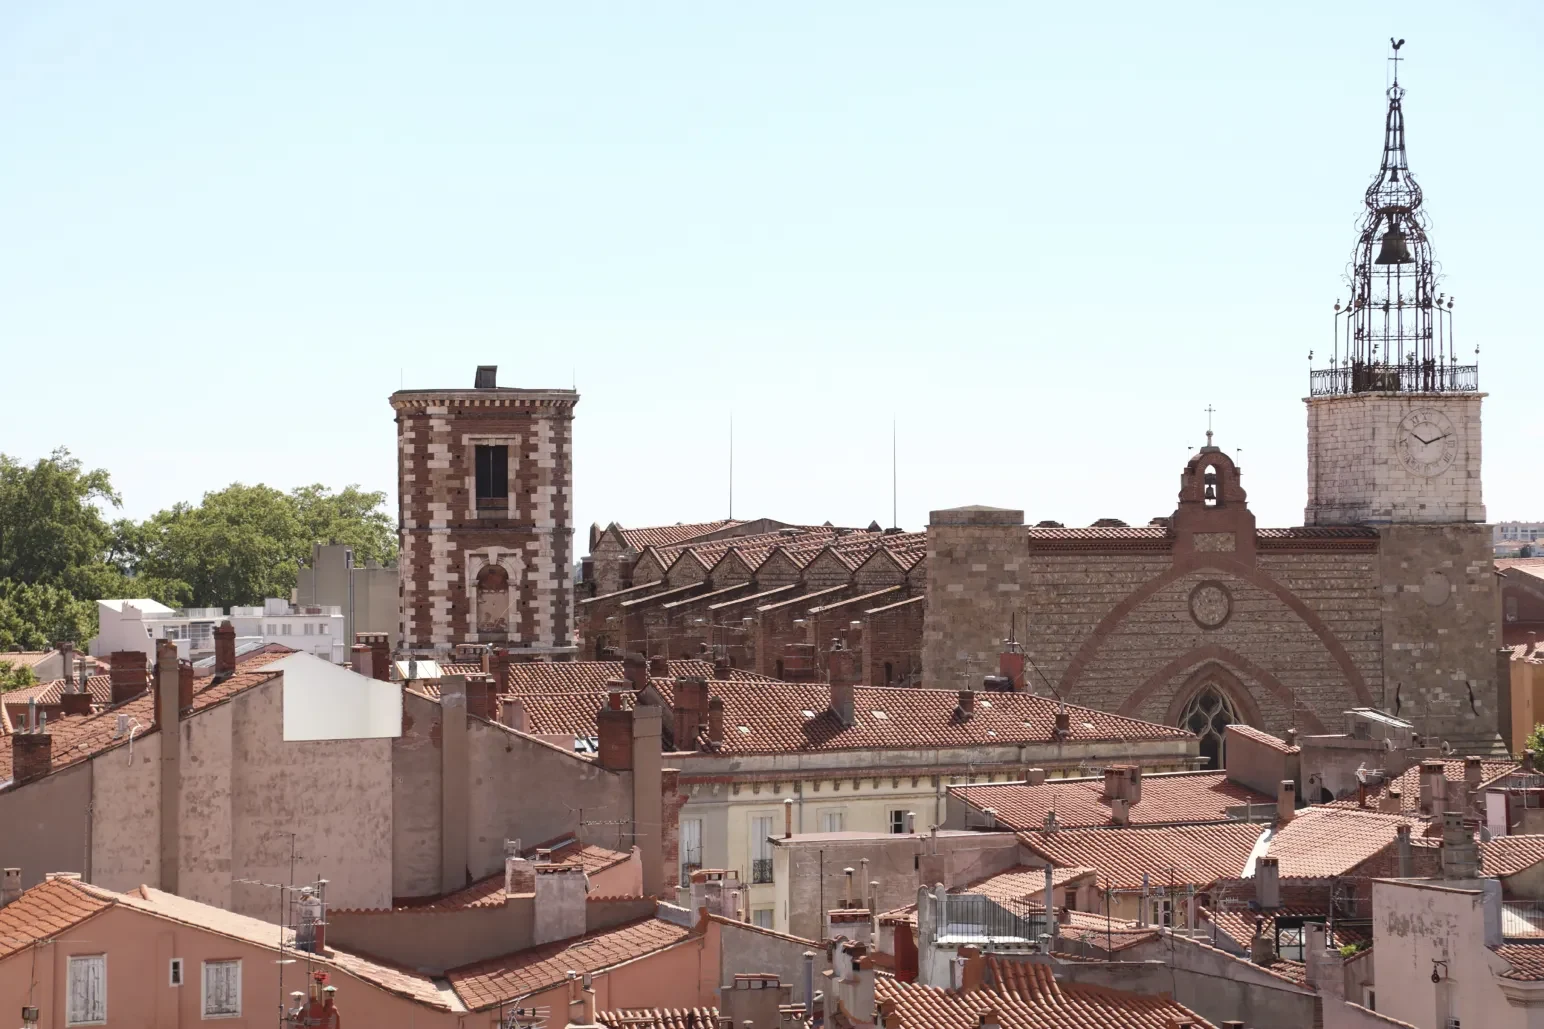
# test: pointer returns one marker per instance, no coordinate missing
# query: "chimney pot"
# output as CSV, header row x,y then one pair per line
x,y
1035,777
512,713
1010,665
659,666
1286,800
10,886
788,818
721,669
224,650
967,704
842,701
1063,725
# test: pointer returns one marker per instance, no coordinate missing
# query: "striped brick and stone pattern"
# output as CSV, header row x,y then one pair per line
x,y
450,543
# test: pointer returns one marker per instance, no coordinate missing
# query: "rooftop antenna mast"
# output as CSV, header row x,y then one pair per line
x,y
731,466
895,519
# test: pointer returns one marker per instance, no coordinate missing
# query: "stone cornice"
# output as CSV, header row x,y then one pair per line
x,y
419,400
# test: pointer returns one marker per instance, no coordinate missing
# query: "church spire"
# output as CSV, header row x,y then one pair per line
x,y
1395,332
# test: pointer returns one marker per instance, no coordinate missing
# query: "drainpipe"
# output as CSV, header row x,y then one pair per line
x,y
1050,909
809,985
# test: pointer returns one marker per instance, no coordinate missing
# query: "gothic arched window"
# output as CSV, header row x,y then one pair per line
x,y
492,600
1208,715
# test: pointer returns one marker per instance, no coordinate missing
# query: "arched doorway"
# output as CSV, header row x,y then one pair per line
x,y
492,600
1208,714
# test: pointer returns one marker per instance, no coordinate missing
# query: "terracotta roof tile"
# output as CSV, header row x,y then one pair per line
x,y
49,693
1196,854
502,979
1508,855
778,717
664,535
1023,882
48,908
1026,996
1526,959
1274,742
1167,799
1409,785
489,890
579,676
659,1018
1238,926
79,737
1326,841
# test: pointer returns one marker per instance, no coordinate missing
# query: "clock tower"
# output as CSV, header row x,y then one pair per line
x,y
1394,443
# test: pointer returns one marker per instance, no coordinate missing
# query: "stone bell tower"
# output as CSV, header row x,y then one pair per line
x,y
1394,443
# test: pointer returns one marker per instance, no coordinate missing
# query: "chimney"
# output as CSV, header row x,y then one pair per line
x,y
1393,800
1460,854
481,696
809,980
224,650
167,683
1120,811
715,722
1134,783
721,669
10,886
842,701
1010,665
519,873
512,713
650,782
972,969
1361,794
1035,777
75,703
168,713
184,685
1063,724
1433,788
495,662
359,657
635,670
1268,882
32,754
560,903
841,665
380,656
614,727
1114,782
1474,770
1402,835
1262,949
967,705
1286,800
126,673
988,1020
690,699
66,651
788,818
911,823
659,666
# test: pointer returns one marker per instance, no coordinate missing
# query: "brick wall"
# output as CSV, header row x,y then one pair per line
x,y
892,635
445,541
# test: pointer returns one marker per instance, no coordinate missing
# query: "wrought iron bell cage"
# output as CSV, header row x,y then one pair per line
x,y
1394,334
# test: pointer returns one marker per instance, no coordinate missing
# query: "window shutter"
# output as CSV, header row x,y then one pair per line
x,y
222,988
88,990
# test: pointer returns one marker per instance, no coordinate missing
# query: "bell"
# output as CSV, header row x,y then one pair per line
x,y
1394,250
1211,492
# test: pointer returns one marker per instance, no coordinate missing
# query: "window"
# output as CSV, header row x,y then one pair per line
x,y
87,1000
492,599
761,849
310,629
1370,998
273,630
831,821
1162,912
897,821
222,989
284,630
492,478
691,846
1208,715
175,979
324,629
1289,942
762,917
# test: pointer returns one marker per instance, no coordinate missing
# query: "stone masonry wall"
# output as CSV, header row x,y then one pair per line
x,y
975,561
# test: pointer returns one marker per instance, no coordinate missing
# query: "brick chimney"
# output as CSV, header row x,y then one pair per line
x,y
721,669
967,705
1286,800
224,650
1402,836
1262,949
659,666
715,722
636,671
184,685
842,701
1010,665
32,754
519,873
842,665
691,699
75,703
126,673
972,969
1114,782
614,729
380,656
359,659
10,886
512,713
1063,724
1433,788
495,663
481,696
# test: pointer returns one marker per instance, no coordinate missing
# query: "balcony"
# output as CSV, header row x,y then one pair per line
x,y
1410,377
761,870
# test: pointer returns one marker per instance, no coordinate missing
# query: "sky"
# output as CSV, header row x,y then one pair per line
x,y
1037,240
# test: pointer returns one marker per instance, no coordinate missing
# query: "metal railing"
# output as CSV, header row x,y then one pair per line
x,y
974,916
1522,919
761,870
1411,377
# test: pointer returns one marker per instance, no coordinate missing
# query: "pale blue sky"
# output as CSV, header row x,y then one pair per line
x,y
1042,237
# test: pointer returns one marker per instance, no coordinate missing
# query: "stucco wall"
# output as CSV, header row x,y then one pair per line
x,y
415,800
126,815
43,825
746,949
204,829
1220,987
1419,923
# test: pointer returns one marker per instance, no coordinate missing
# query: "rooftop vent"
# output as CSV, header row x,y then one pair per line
x,y
487,376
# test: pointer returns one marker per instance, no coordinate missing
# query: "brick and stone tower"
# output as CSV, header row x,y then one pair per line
x,y
1394,442
485,487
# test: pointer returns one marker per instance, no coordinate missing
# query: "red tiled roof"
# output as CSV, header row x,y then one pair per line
x,y
489,890
1196,854
79,737
780,717
1508,855
1275,743
659,1018
1526,959
50,907
1238,926
1409,785
1167,799
1026,996
1023,882
498,980
1326,841
664,535
592,676
48,694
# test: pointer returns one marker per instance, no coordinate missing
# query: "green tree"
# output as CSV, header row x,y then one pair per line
x,y
15,677
49,521
1535,740
35,617
351,516
236,547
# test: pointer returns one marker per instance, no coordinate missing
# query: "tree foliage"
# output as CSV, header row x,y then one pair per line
x,y
59,553
15,677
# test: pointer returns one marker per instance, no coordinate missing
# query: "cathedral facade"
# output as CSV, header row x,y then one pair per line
x,y
1385,597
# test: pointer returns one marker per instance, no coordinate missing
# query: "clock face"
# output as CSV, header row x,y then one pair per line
x,y
1426,442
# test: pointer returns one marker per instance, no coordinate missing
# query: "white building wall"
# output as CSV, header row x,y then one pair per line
x,y
1426,926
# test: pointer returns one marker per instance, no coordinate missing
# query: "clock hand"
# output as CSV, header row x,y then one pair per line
x,y
1424,442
